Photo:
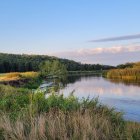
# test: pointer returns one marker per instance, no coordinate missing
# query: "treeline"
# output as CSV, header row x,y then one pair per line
x,y
23,63
126,65
130,72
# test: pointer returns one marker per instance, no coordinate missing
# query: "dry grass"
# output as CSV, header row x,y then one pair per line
x,y
124,74
13,76
57,125
10,76
133,130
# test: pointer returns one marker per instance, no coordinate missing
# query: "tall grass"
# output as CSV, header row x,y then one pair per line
x,y
124,74
59,125
28,116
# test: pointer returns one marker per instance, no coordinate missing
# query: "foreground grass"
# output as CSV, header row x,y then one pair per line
x,y
28,116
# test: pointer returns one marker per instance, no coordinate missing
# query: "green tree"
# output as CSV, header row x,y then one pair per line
x,y
53,69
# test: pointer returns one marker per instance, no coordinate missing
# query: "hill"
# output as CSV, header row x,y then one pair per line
x,y
24,62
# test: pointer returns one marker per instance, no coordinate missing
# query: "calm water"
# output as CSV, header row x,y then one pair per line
x,y
123,96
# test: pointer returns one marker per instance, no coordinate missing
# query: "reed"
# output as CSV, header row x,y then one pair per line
x,y
124,74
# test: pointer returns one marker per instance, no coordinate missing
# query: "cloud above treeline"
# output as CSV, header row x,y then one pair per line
x,y
93,51
109,56
118,38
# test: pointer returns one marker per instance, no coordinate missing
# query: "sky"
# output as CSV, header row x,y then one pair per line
x,y
87,31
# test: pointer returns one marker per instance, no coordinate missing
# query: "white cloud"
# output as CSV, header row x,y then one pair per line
x,y
111,55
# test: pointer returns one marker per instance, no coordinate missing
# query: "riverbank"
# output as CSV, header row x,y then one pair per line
x,y
25,115
30,80
98,72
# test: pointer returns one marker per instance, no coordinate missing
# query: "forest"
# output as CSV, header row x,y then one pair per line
x,y
23,63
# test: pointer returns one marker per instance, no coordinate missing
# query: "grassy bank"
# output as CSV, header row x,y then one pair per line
x,y
29,80
25,115
32,80
17,76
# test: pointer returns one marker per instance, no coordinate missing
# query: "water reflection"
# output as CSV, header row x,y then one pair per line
x,y
126,82
74,78
120,95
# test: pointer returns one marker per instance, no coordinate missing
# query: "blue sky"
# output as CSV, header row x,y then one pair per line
x,y
64,28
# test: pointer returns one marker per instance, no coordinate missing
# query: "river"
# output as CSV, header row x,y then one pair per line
x,y
122,96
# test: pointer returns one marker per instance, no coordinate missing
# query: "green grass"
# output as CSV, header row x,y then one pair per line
x,y
28,116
